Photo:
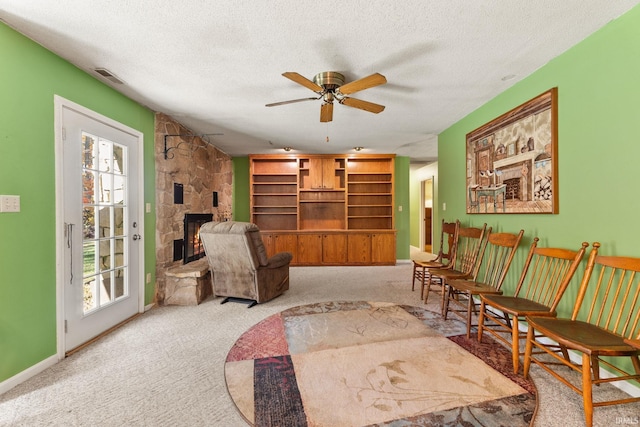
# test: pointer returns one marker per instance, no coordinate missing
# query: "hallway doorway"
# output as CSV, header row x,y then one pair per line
x,y
427,217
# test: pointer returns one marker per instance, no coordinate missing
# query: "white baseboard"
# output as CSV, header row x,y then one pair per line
x,y
34,370
27,373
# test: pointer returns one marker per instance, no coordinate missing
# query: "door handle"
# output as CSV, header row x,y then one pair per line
x,y
68,232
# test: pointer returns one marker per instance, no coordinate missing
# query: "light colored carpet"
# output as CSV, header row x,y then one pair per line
x,y
166,368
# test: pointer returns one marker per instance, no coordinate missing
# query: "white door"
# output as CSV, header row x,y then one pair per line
x,y
101,284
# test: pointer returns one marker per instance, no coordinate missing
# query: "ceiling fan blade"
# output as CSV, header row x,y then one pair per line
x,y
301,80
290,102
326,112
363,105
362,84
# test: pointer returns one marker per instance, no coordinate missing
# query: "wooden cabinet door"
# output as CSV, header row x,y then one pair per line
x,y
359,248
286,243
334,249
383,248
328,174
322,173
309,249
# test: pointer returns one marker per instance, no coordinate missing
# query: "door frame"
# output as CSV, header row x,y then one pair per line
x,y
60,104
422,200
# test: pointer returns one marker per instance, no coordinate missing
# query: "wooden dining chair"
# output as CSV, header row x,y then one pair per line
x,y
469,242
605,314
544,279
495,263
448,232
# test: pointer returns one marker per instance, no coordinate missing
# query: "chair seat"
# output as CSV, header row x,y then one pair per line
x,y
581,336
447,272
633,343
429,264
472,287
518,306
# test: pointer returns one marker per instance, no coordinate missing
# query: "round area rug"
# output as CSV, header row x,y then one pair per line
x,y
358,363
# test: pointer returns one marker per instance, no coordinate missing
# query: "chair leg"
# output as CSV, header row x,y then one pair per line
x,y
636,364
474,306
527,352
587,396
470,306
515,344
445,301
422,283
445,292
480,321
413,281
595,367
428,285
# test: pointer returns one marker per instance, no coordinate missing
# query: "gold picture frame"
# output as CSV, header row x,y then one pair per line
x,y
512,161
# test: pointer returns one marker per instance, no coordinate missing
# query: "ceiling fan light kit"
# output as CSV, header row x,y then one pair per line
x,y
330,86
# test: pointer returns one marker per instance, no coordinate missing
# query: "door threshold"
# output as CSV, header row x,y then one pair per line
x,y
97,337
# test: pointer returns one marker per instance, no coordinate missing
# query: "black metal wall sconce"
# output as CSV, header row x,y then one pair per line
x,y
204,137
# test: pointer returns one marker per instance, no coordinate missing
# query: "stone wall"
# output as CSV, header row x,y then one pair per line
x,y
201,169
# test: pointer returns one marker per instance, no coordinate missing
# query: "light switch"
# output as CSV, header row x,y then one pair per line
x,y
444,206
147,207
9,203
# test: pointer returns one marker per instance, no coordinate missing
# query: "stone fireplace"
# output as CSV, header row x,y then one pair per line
x,y
204,176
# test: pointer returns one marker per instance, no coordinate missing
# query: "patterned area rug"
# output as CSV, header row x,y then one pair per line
x,y
372,364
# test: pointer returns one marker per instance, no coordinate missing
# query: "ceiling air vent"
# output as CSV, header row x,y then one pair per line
x,y
108,75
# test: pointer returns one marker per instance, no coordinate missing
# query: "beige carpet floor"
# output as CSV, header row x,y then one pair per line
x,y
166,368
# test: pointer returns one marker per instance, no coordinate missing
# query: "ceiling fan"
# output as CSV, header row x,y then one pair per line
x,y
330,86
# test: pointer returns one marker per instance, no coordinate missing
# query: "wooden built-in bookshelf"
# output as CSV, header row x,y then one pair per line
x,y
325,209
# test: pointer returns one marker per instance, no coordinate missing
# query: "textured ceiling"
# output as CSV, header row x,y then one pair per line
x,y
213,65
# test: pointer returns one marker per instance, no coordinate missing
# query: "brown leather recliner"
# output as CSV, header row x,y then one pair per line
x,y
239,264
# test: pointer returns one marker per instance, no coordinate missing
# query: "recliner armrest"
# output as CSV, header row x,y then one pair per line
x,y
278,260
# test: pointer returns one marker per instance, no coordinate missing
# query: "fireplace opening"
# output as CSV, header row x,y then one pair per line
x,y
513,188
192,245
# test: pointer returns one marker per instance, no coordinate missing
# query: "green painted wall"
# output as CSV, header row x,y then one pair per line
x,y
29,77
598,149
402,198
240,207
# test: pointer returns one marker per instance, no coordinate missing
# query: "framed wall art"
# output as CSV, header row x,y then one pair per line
x,y
512,162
